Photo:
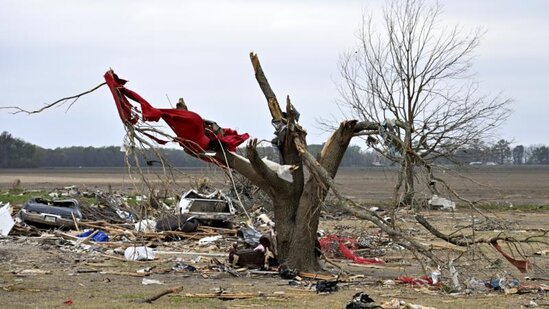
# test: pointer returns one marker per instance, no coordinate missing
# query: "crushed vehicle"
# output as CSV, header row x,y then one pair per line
x,y
214,209
46,213
184,223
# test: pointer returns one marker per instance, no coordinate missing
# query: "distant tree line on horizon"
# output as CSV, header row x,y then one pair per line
x,y
16,153
502,153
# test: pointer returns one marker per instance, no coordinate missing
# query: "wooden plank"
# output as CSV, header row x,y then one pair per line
x,y
316,276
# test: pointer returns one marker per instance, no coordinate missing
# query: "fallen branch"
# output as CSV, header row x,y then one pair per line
x,y
316,276
331,262
124,273
366,214
204,254
117,258
85,239
464,241
149,300
232,296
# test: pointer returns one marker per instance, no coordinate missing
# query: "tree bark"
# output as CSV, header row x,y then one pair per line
x,y
296,204
409,192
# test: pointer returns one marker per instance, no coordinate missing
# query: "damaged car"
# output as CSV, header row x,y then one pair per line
x,y
46,213
214,209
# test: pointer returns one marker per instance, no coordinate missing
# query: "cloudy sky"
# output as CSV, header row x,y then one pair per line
x,y
199,50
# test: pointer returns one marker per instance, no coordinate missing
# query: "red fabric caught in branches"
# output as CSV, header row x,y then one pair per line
x,y
521,265
187,125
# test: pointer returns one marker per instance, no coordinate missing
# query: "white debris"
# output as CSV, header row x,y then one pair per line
x,y
146,226
34,272
6,221
283,171
7,206
475,285
125,215
151,281
454,274
144,270
436,276
266,220
442,203
139,254
389,282
208,240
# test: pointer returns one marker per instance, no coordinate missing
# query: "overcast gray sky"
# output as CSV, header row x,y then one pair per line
x,y
199,50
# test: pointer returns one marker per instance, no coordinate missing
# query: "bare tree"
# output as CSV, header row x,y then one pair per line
x,y
412,76
296,202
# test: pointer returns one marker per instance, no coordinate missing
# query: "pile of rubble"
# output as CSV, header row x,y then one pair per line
x,y
202,233
201,222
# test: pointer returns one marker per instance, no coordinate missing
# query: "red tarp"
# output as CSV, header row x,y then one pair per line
x,y
521,265
345,251
423,280
188,126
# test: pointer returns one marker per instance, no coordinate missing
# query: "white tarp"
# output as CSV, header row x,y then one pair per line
x,y
139,254
6,221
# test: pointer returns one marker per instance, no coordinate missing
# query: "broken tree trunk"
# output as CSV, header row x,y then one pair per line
x,y
296,203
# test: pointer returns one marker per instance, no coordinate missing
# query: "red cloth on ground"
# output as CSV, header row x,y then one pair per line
x,y
345,251
423,280
187,125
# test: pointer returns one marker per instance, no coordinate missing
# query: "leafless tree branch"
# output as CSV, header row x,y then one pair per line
x,y
56,103
411,75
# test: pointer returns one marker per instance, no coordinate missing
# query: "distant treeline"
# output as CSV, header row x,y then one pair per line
x,y
16,153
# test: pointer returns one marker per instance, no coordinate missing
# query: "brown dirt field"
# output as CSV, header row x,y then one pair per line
x,y
520,185
69,277
118,178
523,185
